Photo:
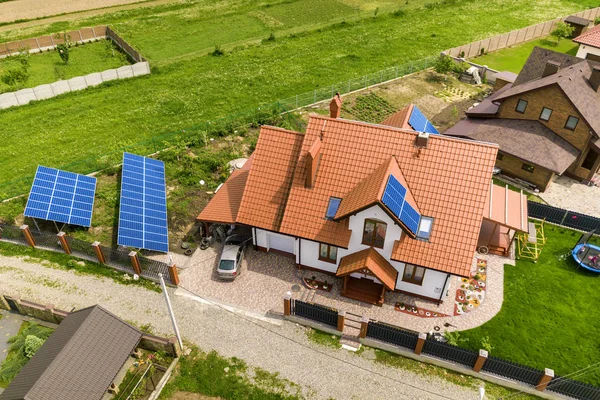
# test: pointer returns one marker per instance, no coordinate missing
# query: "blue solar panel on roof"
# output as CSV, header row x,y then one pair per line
x,y
143,209
420,123
394,198
61,196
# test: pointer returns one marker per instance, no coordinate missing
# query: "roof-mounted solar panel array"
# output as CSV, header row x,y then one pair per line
x,y
420,123
61,196
143,209
394,198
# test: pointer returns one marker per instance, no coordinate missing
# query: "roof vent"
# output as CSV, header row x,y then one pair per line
x,y
422,139
551,68
595,78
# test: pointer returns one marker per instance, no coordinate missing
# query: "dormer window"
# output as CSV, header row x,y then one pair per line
x,y
334,204
374,233
424,231
521,106
545,114
571,123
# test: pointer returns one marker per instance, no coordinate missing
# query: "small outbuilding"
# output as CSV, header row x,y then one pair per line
x,y
579,24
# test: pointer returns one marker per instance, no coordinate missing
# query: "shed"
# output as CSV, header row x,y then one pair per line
x,y
579,24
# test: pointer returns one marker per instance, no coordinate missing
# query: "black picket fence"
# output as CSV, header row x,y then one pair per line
x,y
315,312
512,370
392,334
571,388
449,352
559,216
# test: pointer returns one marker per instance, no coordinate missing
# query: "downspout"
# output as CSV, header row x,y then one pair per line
x,y
299,253
443,287
254,238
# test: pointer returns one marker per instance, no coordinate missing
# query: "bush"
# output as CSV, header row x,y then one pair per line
x,y
15,77
32,345
443,64
562,30
217,52
460,68
596,20
454,338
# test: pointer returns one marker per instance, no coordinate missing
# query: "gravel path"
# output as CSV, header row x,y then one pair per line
x,y
283,348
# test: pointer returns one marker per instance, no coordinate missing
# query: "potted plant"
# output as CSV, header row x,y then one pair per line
x,y
402,306
325,285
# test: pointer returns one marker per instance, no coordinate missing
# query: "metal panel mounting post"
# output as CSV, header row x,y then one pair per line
x,y
171,314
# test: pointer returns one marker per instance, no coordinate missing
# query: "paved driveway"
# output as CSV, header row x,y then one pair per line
x,y
571,195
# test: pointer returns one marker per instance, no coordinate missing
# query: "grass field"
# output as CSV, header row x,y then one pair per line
x,y
512,59
549,312
188,86
84,59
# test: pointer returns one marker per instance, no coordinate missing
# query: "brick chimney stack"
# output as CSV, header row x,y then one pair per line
x,y
551,68
335,107
595,78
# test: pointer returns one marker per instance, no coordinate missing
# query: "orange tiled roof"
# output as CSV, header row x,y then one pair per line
x,y
449,181
590,37
267,187
224,206
374,262
400,119
508,208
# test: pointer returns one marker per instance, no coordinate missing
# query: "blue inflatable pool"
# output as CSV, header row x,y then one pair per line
x,y
587,256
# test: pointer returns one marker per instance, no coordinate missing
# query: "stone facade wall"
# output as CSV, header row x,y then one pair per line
x,y
157,343
513,166
44,312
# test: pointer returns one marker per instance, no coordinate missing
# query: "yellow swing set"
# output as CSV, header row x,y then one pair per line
x,y
530,244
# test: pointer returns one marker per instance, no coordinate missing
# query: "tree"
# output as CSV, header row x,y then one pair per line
x,y
63,48
16,77
443,64
562,30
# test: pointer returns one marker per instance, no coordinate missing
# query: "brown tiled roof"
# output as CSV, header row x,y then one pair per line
x,y
528,140
269,179
374,262
224,206
508,208
590,37
488,107
448,179
79,360
400,119
536,63
506,76
574,19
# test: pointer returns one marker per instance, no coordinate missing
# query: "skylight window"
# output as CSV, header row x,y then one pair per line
x,y
425,228
334,204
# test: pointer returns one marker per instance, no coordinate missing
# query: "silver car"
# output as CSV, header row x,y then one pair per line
x,y
231,257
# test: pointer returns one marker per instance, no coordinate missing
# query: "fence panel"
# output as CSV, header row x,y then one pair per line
x,y
582,222
12,233
450,352
118,258
559,216
316,312
151,268
79,247
509,369
47,240
571,388
392,334
543,211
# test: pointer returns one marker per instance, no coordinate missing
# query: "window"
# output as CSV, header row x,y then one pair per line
x,y
590,160
545,114
413,274
499,157
327,253
571,123
334,204
528,167
374,233
521,106
425,228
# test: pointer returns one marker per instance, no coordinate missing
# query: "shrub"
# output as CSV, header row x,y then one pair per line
x,y
486,344
454,338
562,30
443,64
460,68
596,20
217,52
399,13
32,345
15,77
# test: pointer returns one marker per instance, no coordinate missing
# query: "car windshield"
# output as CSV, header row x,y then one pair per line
x,y
226,265
234,240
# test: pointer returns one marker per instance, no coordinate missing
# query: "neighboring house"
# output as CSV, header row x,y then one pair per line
x,y
388,209
546,122
579,24
589,44
80,360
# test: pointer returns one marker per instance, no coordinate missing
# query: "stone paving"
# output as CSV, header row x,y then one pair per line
x,y
574,196
266,277
9,327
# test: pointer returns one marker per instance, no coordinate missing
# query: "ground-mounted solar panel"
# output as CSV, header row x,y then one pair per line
x,y
143,209
394,198
61,196
419,122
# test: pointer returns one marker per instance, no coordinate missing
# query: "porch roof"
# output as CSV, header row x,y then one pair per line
x,y
374,262
507,208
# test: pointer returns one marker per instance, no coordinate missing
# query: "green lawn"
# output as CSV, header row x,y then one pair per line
x,y
550,312
512,59
48,67
185,91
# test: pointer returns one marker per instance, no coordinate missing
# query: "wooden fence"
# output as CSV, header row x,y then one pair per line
x,y
512,38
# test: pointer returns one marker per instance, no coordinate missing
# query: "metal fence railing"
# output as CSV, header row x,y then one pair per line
x,y
391,334
560,216
512,370
571,388
450,352
315,312
11,233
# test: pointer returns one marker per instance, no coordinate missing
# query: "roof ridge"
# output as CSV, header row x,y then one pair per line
x,y
276,128
441,136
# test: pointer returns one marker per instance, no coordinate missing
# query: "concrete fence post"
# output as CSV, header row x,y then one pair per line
x,y
364,324
545,380
483,355
287,304
135,262
3,303
420,343
63,242
28,236
99,253
173,274
340,320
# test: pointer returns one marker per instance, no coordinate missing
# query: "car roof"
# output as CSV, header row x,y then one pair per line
x,y
229,252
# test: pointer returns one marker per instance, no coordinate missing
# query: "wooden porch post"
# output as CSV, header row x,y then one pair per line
x,y
345,284
382,297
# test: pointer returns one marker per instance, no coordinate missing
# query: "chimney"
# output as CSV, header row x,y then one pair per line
x,y
422,140
335,106
312,163
595,78
551,68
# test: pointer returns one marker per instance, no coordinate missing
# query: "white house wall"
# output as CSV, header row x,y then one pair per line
x,y
583,50
433,284
275,241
